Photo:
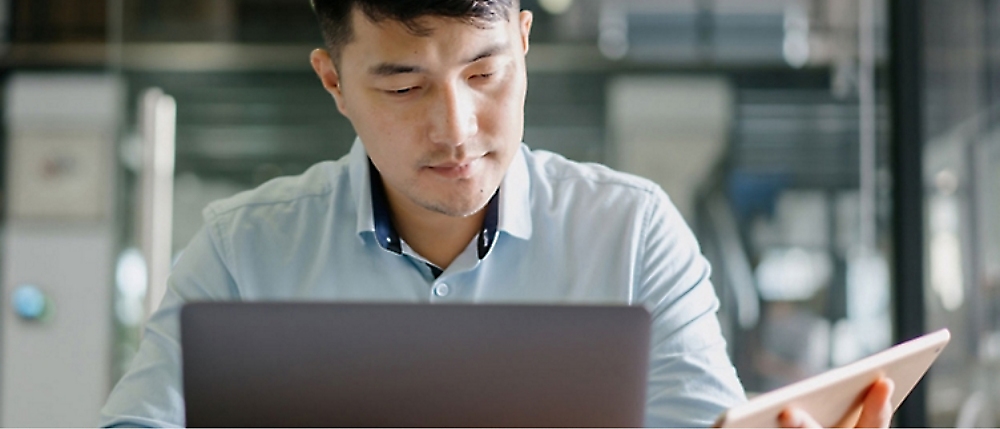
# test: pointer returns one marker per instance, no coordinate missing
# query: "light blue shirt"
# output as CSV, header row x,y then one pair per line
x,y
566,232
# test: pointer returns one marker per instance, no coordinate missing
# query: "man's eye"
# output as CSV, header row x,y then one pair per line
x,y
401,91
483,76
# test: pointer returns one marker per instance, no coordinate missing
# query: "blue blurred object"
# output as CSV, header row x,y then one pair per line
x,y
756,193
30,302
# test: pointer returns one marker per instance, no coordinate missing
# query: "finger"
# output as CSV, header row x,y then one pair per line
x,y
795,418
877,409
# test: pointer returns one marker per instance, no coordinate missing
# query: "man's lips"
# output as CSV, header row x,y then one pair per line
x,y
456,169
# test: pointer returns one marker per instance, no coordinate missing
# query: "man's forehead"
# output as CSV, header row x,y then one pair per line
x,y
466,40
424,25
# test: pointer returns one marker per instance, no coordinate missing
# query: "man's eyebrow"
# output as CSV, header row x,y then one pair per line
x,y
390,69
488,52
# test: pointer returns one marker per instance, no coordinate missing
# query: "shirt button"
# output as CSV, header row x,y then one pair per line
x,y
441,290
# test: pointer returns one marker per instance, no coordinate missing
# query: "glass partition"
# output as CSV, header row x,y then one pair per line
x,y
961,161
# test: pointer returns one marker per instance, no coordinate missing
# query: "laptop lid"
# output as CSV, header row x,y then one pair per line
x,y
406,365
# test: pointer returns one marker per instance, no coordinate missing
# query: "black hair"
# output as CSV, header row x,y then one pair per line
x,y
335,15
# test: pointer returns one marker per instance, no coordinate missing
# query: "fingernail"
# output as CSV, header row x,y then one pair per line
x,y
792,418
890,383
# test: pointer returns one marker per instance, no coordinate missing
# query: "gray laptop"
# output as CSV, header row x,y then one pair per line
x,y
408,365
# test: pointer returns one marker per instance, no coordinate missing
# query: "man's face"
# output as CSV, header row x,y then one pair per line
x,y
441,115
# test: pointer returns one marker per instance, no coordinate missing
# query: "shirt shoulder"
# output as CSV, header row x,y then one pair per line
x,y
320,182
551,170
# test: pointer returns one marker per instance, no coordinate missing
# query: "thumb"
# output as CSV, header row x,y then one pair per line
x,y
876,411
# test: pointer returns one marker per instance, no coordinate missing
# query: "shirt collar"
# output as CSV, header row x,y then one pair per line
x,y
385,232
508,210
515,198
361,189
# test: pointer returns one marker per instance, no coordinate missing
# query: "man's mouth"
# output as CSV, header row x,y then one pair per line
x,y
457,169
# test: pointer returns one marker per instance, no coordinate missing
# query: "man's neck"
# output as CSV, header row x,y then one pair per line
x,y
439,238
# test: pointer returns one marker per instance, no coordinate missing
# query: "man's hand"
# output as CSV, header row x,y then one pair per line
x,y
876,410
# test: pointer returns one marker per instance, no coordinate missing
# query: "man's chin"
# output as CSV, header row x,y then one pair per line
x,y
461,209
457,212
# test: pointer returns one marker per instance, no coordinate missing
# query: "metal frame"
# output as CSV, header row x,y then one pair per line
x,y
906,69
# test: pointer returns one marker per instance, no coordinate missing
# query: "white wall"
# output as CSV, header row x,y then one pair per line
x,y
672,130
60,236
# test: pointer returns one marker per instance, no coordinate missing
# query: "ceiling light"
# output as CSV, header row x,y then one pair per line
x,y
555,7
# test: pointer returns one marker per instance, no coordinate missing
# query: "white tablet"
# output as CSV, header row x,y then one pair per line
x,y
837,393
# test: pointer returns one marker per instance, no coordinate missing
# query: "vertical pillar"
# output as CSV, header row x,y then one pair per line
x,y
907,84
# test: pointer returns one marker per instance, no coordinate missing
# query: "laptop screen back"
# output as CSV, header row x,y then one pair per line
x,y
408,365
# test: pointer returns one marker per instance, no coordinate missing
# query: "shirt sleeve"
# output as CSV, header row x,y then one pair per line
x,y
691,378
150,393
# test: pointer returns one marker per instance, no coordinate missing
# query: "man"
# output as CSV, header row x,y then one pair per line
x,y
438,201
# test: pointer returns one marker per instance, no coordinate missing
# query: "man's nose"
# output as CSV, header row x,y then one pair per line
x,y
453,116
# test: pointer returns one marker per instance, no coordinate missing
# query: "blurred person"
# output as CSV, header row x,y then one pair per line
x,y
439,190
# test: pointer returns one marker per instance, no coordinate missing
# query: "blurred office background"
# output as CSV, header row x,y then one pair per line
x,y
838,159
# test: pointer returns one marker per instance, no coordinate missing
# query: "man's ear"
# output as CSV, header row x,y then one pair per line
x,y
322,64
526,19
